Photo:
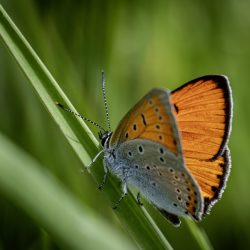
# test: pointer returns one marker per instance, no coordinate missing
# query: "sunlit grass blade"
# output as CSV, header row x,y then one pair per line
x,y
145,233
199,235
37,192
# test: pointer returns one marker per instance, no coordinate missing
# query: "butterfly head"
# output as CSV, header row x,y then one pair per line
x,y
105,138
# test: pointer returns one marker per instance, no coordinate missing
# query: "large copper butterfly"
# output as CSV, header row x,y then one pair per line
x,y
172,146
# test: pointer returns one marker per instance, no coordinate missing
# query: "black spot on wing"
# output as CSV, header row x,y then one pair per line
x,y
143,120
176,108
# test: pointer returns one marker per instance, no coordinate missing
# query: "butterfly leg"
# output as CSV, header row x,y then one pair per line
x,y
95,158
124,193
104,180
139,199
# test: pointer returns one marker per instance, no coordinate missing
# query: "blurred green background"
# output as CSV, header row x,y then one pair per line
x,y
141,45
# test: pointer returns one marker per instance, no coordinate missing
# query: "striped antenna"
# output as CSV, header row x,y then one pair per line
x,y
105,100
76,114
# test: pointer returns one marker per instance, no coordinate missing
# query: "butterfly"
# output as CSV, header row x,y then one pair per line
x,y
172,147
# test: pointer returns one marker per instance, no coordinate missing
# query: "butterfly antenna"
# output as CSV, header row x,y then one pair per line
x,y
76,114
105,100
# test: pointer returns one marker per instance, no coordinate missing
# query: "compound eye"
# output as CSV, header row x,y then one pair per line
x,y
103,140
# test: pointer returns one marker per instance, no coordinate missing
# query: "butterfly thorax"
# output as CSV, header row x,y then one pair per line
x,y
112,162
110,154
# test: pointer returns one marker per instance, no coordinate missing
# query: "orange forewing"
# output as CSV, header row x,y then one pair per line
x,y
149,119
203,114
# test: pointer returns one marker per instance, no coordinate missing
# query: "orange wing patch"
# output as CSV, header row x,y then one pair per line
x,y
203,112
151,118
211,177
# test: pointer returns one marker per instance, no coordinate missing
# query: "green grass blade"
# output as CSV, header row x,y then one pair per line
x,y
146,234
46,86
23,181
199,235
